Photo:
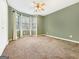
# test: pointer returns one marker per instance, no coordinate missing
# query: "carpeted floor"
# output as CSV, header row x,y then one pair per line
x,y
41,47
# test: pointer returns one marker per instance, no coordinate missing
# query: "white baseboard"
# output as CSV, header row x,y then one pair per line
x,y
2,48
62,38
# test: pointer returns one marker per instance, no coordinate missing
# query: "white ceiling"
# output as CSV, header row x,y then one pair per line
x,y
26,6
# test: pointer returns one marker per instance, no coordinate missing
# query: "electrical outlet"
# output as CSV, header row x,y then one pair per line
x,y
70,36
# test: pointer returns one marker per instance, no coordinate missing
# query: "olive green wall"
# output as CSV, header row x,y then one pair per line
x,y
63,23
40,23
10,23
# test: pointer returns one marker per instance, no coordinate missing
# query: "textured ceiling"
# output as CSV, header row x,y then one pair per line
x,y
26,6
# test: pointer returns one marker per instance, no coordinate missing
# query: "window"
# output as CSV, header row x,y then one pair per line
x,y
26,25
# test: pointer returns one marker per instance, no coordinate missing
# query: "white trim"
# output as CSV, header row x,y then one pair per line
x,y
21,30
36,25
62,38
14,26
30,22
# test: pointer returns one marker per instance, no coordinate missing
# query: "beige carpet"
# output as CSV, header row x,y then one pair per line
x,y
41,48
